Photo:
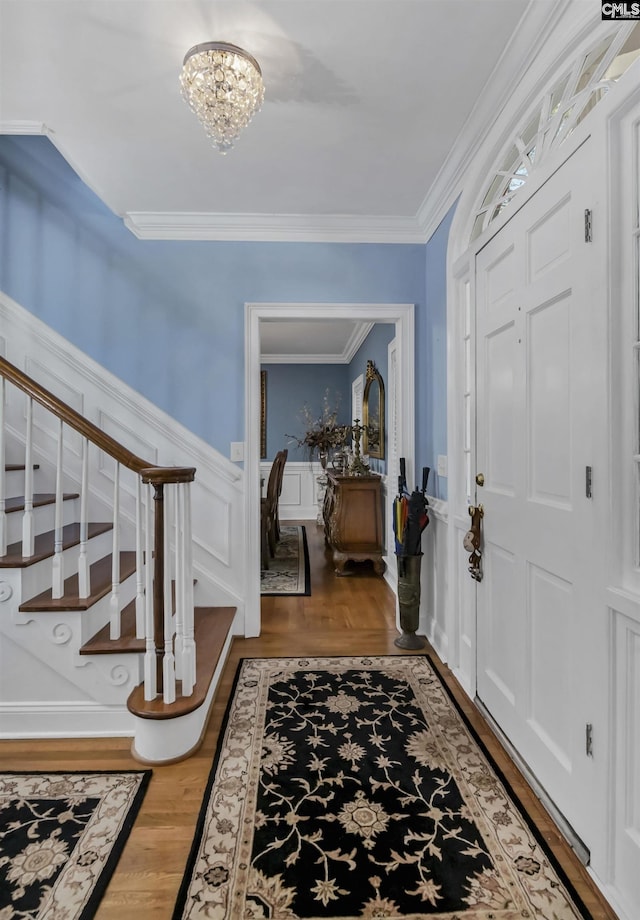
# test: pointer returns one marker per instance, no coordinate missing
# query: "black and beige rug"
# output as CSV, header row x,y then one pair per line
x,y
61,835
288,571
353,787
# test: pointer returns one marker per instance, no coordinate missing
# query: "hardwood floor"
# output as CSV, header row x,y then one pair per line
x,y
349,615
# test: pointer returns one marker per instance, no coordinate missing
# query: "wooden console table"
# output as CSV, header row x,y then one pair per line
x,y
353,520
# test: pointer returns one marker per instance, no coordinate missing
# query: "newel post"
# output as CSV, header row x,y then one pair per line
x,y
159,477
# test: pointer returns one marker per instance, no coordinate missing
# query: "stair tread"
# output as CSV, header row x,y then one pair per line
x,y
44,544
101,644
16,503
211,628
100,574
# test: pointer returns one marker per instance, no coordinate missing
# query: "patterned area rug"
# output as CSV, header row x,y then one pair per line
x,y
288,572
353,787
61,835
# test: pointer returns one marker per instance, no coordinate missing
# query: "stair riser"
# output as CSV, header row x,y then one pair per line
x,y
98,615
91,620
37,578
15,481
43,519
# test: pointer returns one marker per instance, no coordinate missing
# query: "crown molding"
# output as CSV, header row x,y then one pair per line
x,y
321,228
529,40
23,127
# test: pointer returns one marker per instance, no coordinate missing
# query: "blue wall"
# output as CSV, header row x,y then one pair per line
x,y
292,386
431,362
167,317
374,348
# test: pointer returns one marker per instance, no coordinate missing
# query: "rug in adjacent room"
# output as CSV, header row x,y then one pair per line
x,y
61,835
288,572
353,787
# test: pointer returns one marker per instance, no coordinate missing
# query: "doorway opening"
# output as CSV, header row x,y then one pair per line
x,y
402,316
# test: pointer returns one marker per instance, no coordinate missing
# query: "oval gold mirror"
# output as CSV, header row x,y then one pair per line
x,y
373,414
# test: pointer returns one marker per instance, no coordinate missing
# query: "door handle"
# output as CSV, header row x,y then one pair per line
x,y
479,479
472,542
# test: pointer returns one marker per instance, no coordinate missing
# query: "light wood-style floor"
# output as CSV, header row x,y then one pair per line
x,y
348,615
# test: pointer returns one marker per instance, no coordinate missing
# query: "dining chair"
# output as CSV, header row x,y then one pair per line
x,y
281,465
269,510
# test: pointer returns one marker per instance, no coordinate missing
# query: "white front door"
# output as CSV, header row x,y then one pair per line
x,y
536,348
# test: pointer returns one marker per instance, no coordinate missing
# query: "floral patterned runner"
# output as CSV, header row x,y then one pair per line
x,y
352,787
288,571
61,835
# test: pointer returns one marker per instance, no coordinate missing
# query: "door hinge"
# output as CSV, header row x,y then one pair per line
x,y
588,482
588,228
589,739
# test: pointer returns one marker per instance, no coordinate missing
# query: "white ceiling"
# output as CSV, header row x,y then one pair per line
x,y
311,341
364,101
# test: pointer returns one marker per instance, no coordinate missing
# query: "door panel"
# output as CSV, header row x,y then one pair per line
x,y
549,399
548,241
499,362
501,635
535,346
550,603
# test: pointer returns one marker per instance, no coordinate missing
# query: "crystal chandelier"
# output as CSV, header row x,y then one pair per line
x,y
223,85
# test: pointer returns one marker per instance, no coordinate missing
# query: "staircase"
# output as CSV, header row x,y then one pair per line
x,y
98,623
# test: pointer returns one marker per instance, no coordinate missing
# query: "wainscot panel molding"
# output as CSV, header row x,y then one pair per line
x,y
433,579
462,604
299,496
218,515
624,745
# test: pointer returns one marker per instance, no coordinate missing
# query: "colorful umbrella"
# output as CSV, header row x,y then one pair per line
x,y
410,516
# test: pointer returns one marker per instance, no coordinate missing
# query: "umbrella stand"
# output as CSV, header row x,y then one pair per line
x,y
409,601
409,521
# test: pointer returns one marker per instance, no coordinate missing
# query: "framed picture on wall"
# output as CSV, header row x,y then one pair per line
x,y
263,415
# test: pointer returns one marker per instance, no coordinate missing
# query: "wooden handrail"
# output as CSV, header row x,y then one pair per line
x,y
157,476
149,472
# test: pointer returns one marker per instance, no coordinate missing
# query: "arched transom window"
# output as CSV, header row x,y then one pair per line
x,y
569,100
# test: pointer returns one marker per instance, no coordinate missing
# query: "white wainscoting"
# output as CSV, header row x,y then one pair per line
x,y
299,496
433,579
46,688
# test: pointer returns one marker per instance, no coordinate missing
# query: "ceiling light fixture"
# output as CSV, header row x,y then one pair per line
x,y
223,85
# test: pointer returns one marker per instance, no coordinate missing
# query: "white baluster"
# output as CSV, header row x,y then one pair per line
x,y
114,603
57,565
150,678
84,575
188,642
140,598
179,597
3,481
28,537
168,661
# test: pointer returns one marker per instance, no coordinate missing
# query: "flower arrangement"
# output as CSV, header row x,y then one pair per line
x,y
323,434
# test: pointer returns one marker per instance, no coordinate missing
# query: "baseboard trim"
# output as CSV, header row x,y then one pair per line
x,y
69,719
